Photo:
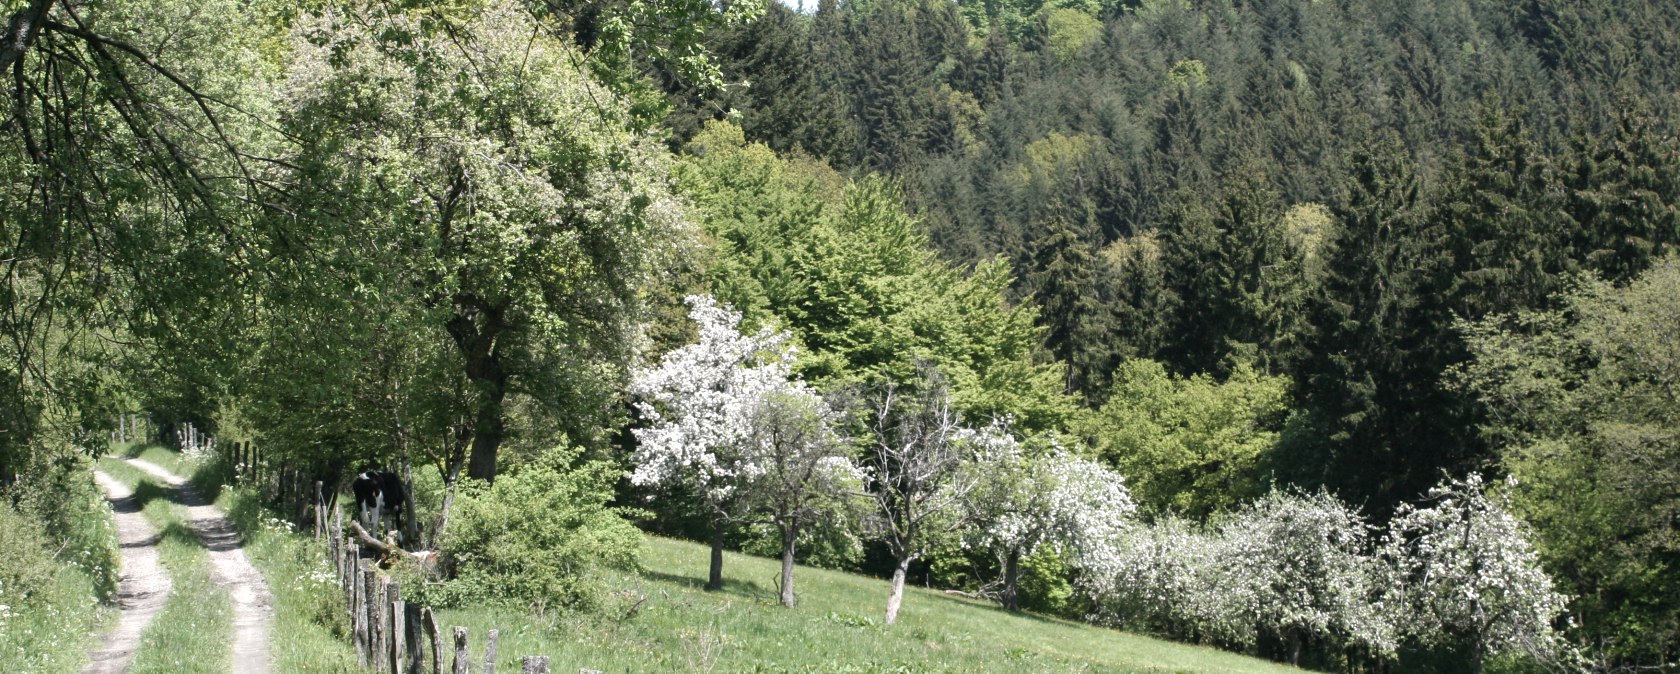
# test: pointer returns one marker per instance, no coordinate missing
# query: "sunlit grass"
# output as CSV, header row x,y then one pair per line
x,y
52,631
660,620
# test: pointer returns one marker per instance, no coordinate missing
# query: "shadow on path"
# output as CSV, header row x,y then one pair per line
x,y
142,589
253,606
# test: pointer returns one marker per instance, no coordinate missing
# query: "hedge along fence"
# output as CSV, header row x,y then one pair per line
x,y
391,636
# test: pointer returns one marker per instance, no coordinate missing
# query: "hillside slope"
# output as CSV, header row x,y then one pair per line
x,y
836,628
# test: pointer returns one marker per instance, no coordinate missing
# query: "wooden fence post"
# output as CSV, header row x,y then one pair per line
x,y
399,636
347,583
359,611
461,655
320,510
416,640
374,617
490,653
437,639
534,664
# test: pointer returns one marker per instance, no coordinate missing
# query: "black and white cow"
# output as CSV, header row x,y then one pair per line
x,y
376,493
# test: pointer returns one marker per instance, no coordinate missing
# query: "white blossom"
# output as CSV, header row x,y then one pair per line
x,y
1468,571
1024,502
701,400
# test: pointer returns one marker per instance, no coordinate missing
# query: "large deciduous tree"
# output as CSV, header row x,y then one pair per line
x,y
491,187
1194,445
132,158
1582,406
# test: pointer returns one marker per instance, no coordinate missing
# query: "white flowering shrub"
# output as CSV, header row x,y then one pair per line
x,y
1024,502
1297,567
1153,579
1456,572
1302,568
1469,576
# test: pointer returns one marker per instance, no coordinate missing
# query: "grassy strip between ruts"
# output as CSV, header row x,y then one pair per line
x,y
195,628
307,635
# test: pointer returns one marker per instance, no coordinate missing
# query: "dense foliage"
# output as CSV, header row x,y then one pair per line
x,y
1046,296
1582,403
537,537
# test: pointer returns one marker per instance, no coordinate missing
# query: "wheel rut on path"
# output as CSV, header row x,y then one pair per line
x,y
253,605
142,588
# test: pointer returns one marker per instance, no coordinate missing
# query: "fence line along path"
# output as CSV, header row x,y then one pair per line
x,y
143,587
253,606
390,635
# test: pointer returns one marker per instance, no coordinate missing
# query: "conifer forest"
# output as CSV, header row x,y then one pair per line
x,y
840,335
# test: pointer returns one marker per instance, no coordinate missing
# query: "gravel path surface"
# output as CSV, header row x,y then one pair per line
x,y
143,586
253,606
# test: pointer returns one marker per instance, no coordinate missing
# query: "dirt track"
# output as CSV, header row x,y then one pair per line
x,y
143,586
253,606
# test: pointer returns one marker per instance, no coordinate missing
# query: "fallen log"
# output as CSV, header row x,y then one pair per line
x,y
426,560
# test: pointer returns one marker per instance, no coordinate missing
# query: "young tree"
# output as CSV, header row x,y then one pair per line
x,y
1470,576
701,404
807,473
915,474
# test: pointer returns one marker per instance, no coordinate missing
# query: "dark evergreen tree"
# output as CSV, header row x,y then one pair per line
x,y
1624,194
1075,321
1380,426
1502,210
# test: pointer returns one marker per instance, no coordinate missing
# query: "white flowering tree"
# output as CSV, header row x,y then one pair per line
x,y
700,403
1300,566
1024,502
1153,579
1471,577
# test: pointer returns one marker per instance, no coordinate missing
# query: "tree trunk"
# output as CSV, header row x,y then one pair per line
x,y
488,429
714,581
896,599
411,519
1012,580
21,29
476,327
1295,646
790,534
1479,657
450,482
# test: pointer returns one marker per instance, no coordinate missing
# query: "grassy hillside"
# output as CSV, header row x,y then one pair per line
x,y
660,620
679,627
